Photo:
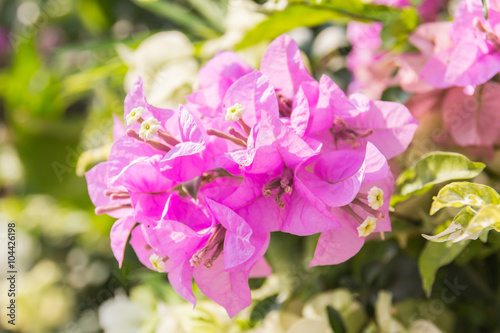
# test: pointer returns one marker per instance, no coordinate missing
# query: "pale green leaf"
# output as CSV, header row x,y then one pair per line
x,y
486,219
456,227
431,169
434,256
435,168
464,194
339,12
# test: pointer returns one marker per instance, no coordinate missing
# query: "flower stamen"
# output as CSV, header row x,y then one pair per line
x,y
236,134
108,209
223,135
285,105
367,227
154,144
341,131
235,112
158,262
216,240
135,115
375,197
149,128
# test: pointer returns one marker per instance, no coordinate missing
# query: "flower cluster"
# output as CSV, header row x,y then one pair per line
x,y
453,70
200,188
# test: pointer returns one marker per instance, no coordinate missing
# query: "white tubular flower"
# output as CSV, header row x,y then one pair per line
x,y
157,262
375,197
367,227
149,128
134,115
235,112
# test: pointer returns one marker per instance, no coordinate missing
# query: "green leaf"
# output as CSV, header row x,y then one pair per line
x,y
335,320
456,227
179,15
485,9
339,11
431,169
282,21
435,256
212,11
462,194
486,219
262,308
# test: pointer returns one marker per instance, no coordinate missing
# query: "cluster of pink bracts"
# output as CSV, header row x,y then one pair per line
x,y
452,70
200,188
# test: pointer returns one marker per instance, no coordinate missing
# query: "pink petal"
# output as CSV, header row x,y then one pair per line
x,y
376,166
338,245
462,58
143,249
237,246
292,149
261,269
118,128
225,65
304,218
392,124
263,214
299,118
472,123
97,178
336,179
283,65
255,93
190,130
119,236
229,289
181,280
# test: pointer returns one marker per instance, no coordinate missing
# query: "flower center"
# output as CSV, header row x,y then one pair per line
x,y
489,35
283,184
341,131
214,246
285,105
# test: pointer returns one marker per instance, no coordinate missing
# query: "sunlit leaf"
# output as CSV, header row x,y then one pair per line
x,y
339,12
464,194
469,224
434,168
456,227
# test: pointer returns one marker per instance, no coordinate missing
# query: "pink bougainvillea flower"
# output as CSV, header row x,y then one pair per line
x,y
368,212
372,67
200,188
282,64
357,120
101,194
220,257
214,80
475,57
473,120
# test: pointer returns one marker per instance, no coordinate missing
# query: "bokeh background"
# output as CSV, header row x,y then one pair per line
x,y
65,68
